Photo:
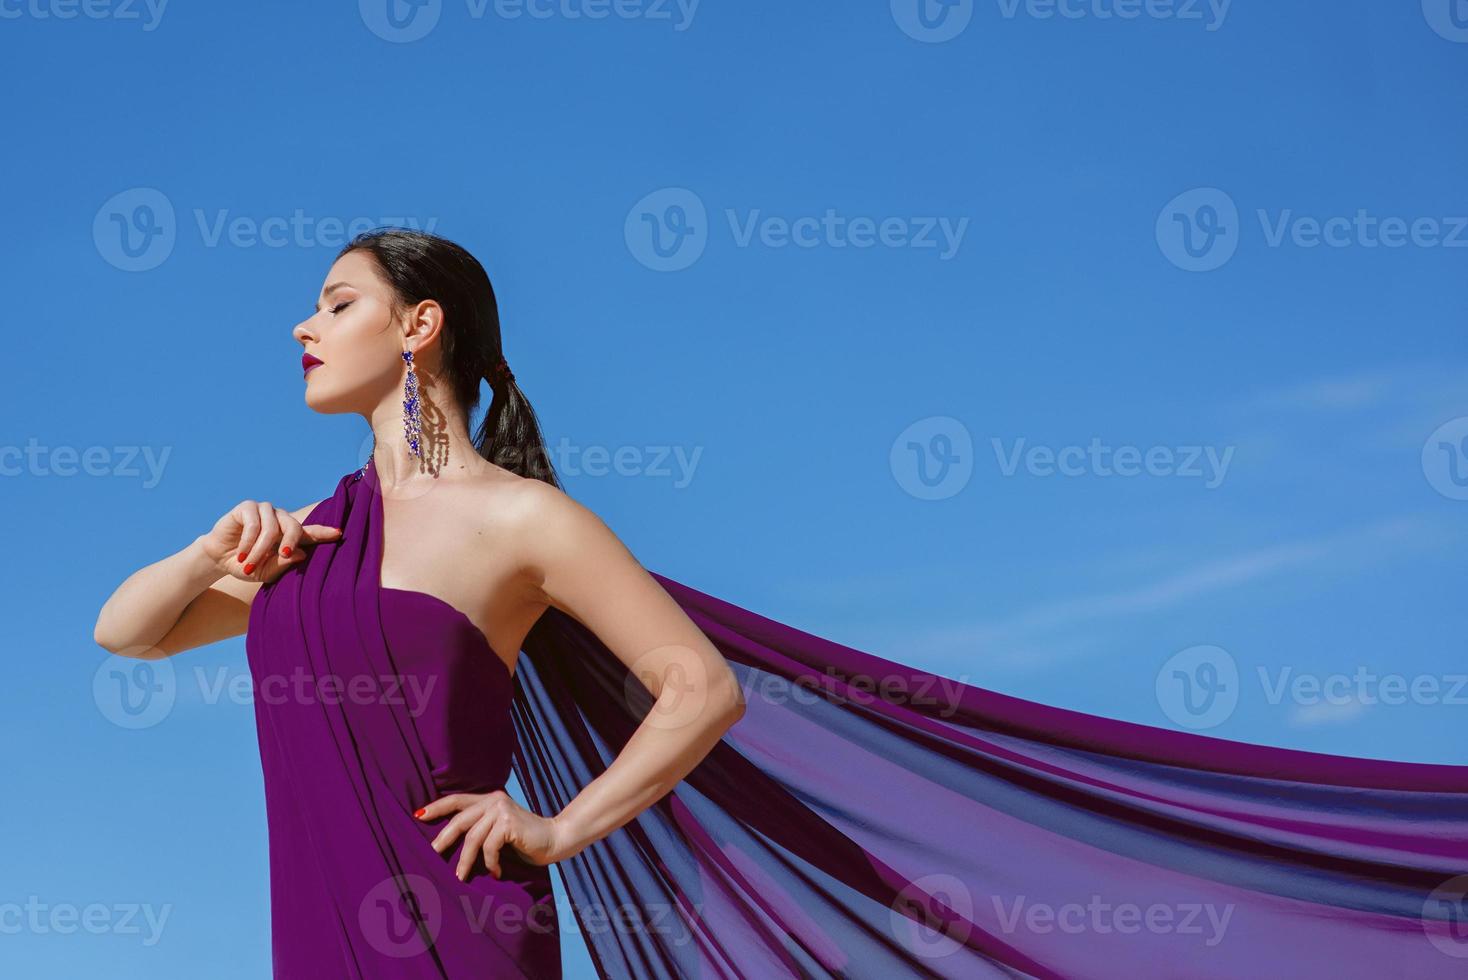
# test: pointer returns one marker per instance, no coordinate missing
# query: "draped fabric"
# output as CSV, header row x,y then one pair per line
x,y
371,702
869,819
863,819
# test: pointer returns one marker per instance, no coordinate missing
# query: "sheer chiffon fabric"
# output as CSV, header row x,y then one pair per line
x,y
869,819
863,819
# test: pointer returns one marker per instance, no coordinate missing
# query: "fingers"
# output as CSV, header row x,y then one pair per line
x,y
268,533
450,832
445,804
290,535
493,844
485,822
249,515
473,842
322,532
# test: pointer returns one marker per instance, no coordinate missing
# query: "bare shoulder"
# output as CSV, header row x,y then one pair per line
x,y
537,521
547,513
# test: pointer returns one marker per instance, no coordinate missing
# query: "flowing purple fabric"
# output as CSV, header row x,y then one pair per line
x,y
864,818
371,702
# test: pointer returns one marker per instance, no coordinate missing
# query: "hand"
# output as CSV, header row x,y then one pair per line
x,y
257,541
493,820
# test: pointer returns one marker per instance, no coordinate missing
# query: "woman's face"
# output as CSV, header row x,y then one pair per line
x,y
356,336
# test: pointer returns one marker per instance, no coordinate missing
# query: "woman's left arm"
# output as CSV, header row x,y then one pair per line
x,y
581,568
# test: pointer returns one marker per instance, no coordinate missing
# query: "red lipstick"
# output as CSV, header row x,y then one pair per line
x,y
308,361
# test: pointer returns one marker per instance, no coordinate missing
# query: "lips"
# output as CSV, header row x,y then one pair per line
x,y
308,361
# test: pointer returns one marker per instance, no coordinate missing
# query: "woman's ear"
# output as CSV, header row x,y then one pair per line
x,y
422,323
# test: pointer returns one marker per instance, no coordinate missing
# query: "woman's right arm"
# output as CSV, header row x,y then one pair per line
x,y
202,594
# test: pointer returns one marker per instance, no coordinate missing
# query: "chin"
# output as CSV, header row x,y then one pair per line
x,y
320,398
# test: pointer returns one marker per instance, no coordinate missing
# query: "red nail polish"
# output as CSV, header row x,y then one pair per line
x,y
286,551
420,811
250,567
242,556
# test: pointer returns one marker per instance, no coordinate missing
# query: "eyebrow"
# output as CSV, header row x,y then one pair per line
x,y
329,290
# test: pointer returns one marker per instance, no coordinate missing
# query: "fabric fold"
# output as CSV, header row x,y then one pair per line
x,y
865,818
849,825
343,672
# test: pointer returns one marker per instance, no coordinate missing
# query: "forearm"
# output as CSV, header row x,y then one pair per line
x,y
653,761
149,602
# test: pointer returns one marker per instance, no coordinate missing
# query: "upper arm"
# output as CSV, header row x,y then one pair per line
x,y
583,569
219,612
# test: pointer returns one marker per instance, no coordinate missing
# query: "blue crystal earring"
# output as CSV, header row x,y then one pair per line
x,y
412,417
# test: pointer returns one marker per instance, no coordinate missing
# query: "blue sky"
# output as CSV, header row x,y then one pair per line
x,y
1113,362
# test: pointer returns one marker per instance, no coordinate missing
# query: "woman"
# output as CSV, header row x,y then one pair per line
x,y
474,556
865,818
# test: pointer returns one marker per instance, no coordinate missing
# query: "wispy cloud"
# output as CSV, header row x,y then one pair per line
x,y
1390,409
1398,386
1366,544
1326,713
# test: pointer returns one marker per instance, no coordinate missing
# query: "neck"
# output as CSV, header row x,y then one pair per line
x,y
444,446
445,453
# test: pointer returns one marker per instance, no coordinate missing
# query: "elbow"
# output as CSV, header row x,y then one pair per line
x,y
102,638
731,701
111,645
103,633
736,711
114,644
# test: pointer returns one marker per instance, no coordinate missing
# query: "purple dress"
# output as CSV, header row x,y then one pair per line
x,y
371,702
864,818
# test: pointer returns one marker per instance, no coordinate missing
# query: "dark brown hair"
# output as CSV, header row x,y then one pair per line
x,y
421,266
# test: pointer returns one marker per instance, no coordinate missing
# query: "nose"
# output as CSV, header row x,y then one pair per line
x,y
302,332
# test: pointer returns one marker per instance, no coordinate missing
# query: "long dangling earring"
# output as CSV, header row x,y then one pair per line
x,y
412,417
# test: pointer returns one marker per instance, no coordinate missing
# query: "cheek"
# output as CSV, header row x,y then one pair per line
x,y
368,354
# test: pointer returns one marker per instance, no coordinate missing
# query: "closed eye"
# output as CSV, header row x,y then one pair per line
x,y
340,306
